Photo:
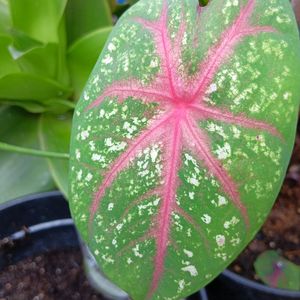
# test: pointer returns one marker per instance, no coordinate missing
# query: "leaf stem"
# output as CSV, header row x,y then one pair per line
x,y
33,152
203,2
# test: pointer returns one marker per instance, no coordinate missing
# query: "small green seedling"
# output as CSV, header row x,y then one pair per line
x,y
182,138
277,271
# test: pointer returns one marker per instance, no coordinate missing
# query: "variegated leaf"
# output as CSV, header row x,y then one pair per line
x,y
182,137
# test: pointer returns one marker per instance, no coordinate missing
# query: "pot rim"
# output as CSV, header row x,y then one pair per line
x,y
258,286
28,198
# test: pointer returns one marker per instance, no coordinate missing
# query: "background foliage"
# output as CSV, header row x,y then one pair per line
x,y
47,51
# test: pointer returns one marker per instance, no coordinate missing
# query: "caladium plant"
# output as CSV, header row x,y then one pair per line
x,y
277,271
182,137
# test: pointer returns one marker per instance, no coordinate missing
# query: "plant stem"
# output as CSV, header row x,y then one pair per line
x,y
203,2
33,152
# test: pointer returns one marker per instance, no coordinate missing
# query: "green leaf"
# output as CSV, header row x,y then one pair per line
x,y
31,87
21,174
30,106
83,55
182,138
7,63
86,16
277,271
5,21
22,43
62,68
57,106
33,56
39,19
54,135
41,61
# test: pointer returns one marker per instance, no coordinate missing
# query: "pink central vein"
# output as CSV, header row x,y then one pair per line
x,y
168,202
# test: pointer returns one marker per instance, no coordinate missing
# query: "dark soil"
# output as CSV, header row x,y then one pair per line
x,y
52,276
281,231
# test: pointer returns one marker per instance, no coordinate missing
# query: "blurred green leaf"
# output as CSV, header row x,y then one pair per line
x,y
86,16
30,106
23,43
54,134
40,61
32,56
39,19
83,55
62,68
7,63
57,106
5,21
31,87
277,271
21,174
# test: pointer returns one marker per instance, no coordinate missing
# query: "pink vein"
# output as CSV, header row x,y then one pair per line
x,y
163,43
168,200
191,220
239,29
222,115
145,197
148,136
202,151
125,89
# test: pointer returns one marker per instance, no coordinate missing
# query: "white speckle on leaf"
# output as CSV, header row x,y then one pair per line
x,y
220,239
89,177
191,195
79,175
153,154
77,154
136,251
181,285
223,152
234,220
110,206
212,88
287,95
84,135
188,253
191,269
206,219
97,157
111,47
194,181
222,201
85,96
107,59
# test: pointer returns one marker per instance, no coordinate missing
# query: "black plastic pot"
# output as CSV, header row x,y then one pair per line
x,y
34,225
232,286
38,224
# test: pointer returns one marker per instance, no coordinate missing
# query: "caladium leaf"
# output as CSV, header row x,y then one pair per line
x,y
277,271
182,137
